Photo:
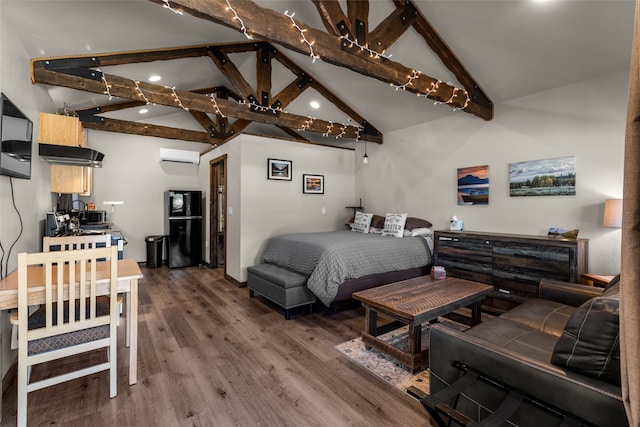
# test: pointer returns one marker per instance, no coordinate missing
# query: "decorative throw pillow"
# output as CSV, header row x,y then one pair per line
x,y
362,222
590,342
377,222
394,225
417,223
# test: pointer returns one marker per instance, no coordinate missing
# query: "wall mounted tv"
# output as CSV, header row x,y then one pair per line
x,y
16,131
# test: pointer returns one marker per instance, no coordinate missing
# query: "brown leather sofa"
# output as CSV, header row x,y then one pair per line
x,y
561,350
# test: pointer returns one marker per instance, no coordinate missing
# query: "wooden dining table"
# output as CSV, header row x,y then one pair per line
x,y
128,275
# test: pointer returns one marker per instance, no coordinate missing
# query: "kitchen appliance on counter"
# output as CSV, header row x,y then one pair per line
x,y
183,226
92,217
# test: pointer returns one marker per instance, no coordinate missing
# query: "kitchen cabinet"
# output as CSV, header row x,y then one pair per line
x,y
72,179
66,130
60,130
513,264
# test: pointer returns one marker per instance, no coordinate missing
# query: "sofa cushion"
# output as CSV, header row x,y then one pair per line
x,y
544,316
590,342
515,337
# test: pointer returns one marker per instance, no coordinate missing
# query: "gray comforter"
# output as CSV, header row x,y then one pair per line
x,y
330,258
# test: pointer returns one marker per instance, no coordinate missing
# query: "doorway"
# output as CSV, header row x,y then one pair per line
x,y
218,210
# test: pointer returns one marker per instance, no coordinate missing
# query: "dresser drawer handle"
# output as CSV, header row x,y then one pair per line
x,y
445,238
504,291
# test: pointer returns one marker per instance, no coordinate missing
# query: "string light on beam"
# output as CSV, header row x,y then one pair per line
x,y
372,53
414,75
215,105
262,108
358,131
343,131
175,95
434,87
107,86
307,124
237,18
329,129
167,5
453,96
140,92
304,39
466,101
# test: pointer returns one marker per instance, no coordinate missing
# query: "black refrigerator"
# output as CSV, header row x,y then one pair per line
x,y
183,227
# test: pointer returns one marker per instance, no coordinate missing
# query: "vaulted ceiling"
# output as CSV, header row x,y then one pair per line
x,y
509,49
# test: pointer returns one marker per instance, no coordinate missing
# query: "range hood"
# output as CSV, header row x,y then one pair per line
x,y
70,156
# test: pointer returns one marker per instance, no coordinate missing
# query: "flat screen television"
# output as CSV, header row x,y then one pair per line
x,y
16,131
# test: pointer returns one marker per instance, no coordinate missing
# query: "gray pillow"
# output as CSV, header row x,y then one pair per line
x,y
590,342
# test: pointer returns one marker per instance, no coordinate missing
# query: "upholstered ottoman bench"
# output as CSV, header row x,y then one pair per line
x,y
286,288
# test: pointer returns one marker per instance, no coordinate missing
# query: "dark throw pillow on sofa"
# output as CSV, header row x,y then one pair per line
x,y
590,342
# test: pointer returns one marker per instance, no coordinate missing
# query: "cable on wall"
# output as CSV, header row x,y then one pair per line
x,y
13,200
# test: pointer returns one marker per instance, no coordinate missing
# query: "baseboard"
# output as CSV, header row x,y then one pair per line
x,y
235,282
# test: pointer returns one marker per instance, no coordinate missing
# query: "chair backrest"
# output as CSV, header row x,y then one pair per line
x,y
69,243
72,276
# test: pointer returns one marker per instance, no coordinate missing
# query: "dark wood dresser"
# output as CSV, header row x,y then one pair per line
x,y
512,263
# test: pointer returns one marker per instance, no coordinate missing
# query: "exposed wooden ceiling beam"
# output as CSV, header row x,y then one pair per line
x,y
126,88
358,13
332,15
446,55
391,28
263,73
87,66
272,26
231,72
145,129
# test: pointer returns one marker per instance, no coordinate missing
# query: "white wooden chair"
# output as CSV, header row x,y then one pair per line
x,y
60,329
64,243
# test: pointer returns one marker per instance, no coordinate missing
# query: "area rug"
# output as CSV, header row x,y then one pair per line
x,y
387,368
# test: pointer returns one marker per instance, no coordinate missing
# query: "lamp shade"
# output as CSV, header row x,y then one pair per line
x,y
612,213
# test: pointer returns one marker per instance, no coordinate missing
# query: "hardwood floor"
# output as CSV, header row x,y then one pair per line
x,y
209,355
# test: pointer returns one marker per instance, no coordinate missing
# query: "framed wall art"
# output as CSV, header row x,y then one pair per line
x,y
279,169
473,185
549,177
313,184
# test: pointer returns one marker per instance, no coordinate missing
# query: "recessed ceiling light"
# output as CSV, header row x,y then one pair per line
x,y
143,111
154,78
315,104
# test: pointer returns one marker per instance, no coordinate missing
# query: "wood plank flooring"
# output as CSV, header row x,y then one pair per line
x,y
209,355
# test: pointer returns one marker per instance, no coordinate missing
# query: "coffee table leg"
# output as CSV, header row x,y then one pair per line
x,y
415,339
370,323
475,313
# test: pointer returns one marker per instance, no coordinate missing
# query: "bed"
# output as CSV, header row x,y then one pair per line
x,y
339,263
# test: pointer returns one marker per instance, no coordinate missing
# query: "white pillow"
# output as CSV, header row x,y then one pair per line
x,y
394,224
362,222
374,230
418,232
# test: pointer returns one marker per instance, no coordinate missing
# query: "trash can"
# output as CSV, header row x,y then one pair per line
x,y
154,251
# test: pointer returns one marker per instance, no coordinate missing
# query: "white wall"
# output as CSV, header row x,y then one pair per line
x,y
32,197
132,173
265,208
415,169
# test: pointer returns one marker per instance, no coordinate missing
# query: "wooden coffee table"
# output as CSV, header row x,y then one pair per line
x,y
414,302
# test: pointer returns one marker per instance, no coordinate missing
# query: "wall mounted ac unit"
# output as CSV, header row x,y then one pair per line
x,y
179,156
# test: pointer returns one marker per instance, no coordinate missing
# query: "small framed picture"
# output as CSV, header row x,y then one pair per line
x,y
313,184
279,169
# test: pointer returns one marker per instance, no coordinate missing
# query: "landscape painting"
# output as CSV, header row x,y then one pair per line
x,y
550,177
473,185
